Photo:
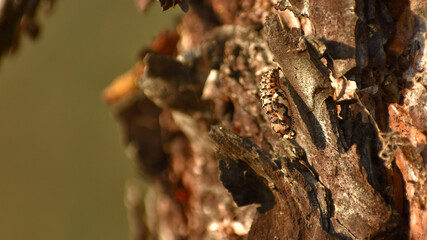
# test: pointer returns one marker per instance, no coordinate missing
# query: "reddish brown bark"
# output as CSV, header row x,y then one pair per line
x,y
357,167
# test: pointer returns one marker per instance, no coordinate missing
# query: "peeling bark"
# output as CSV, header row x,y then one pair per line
x,y
356,169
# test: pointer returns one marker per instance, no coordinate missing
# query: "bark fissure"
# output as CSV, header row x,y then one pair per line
x,y
344,71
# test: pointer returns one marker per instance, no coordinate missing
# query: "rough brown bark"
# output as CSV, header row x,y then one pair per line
x,y
354,74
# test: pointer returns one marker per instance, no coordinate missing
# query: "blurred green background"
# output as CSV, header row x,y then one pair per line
x,y
63,168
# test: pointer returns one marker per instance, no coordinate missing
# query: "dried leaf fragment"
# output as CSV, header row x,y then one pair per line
x,y
343,89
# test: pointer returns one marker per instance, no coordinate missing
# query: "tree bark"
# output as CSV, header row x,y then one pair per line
x,y
353,73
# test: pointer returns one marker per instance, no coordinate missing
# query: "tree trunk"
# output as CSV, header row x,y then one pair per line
x,y
212,131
